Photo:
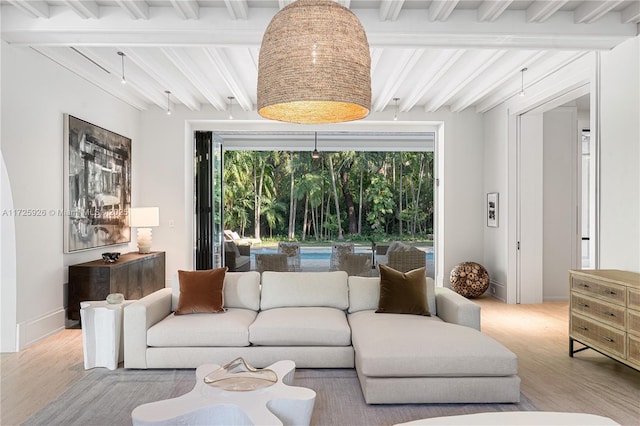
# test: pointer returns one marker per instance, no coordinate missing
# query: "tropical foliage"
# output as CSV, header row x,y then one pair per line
x,y
291,195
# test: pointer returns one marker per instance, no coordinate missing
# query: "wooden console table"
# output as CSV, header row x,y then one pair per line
x,y
134,275
605,313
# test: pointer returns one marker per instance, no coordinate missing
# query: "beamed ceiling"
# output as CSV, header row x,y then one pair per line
x,y
454,54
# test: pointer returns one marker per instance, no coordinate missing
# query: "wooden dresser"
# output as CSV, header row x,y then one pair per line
x,y
605,313
134,275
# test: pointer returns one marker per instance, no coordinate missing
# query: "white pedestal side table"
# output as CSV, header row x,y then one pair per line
x,y
279,404
102,333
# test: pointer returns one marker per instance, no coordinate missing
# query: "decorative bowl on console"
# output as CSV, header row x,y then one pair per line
x,y
110,257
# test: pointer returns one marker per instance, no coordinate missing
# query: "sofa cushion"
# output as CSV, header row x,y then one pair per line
x,y
364,294
403,292
398,345
300,289
230,328
312,326
241,290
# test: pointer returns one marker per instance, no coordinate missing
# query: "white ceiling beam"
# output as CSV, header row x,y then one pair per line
x,y
590,11
192,72
390,9
541,10
187,9
453,90
345,3
556,62
439,10
490,10
84,8
631,14
35,9
395,79
136,9
376,54
284,3
462,30
84,68
238,9
473,96
219,59
163,77
440,67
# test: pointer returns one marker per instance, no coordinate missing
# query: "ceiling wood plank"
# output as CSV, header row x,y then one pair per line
x,y
187,66
219,59
590,11
439,10
452,90
187,9
35,9
631,14
136,9
400,71
84,8
390,9
238,9
490,10
162,76
541,10
500,80
376,55
441,66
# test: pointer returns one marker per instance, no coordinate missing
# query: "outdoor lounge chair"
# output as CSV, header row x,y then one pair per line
x,y
241,241
237,258
271,262
292,250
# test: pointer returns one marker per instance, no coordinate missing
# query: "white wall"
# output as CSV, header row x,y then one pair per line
x,y
35,94
620,158
620,147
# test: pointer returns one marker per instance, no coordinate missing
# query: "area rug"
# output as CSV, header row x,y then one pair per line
x,y
105,397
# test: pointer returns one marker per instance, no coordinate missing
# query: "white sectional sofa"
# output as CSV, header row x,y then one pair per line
x,y
328,320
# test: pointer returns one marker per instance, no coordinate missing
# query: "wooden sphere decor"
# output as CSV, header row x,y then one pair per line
x,y
469,279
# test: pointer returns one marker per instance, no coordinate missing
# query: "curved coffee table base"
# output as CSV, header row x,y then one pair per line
x,y
206,405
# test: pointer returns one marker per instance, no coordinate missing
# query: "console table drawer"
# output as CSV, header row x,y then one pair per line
x,y
606,338
602,311
633,298
633,322
633,345
608,291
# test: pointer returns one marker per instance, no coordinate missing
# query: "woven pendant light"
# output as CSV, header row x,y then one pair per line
x,y
314,65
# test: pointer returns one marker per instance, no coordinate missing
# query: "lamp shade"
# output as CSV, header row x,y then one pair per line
x,y
314,65
144,217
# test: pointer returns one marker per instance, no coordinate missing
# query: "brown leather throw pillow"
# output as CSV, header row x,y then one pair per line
x,y
201,291
403,292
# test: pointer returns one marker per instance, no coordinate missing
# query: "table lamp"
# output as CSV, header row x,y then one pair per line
x,y
144,218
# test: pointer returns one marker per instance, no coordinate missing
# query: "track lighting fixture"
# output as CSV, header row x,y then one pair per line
x,y
231,98
522,81
122,55
395,116
315,154
168,102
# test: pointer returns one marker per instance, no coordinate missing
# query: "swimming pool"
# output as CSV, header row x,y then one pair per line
x,y
321,253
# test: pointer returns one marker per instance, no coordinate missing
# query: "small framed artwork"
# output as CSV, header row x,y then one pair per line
x,y
492,209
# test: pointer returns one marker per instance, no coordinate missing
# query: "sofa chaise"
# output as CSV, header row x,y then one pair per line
x,y
328,320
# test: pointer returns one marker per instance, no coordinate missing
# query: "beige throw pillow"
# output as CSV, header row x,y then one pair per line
x,y
403,293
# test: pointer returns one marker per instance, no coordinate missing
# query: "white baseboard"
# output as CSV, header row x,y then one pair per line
x,y
497,290
30,332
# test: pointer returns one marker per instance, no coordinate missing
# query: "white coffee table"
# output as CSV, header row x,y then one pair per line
x,y
206,405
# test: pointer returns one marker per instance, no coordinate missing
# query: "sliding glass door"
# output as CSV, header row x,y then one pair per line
x,y
208,212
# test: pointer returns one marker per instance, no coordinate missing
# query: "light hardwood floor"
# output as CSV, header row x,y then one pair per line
x,y
538,334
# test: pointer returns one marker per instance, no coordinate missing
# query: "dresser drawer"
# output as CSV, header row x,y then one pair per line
x,y
633,347
633,322
608,291
603,337
633,298
602,311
